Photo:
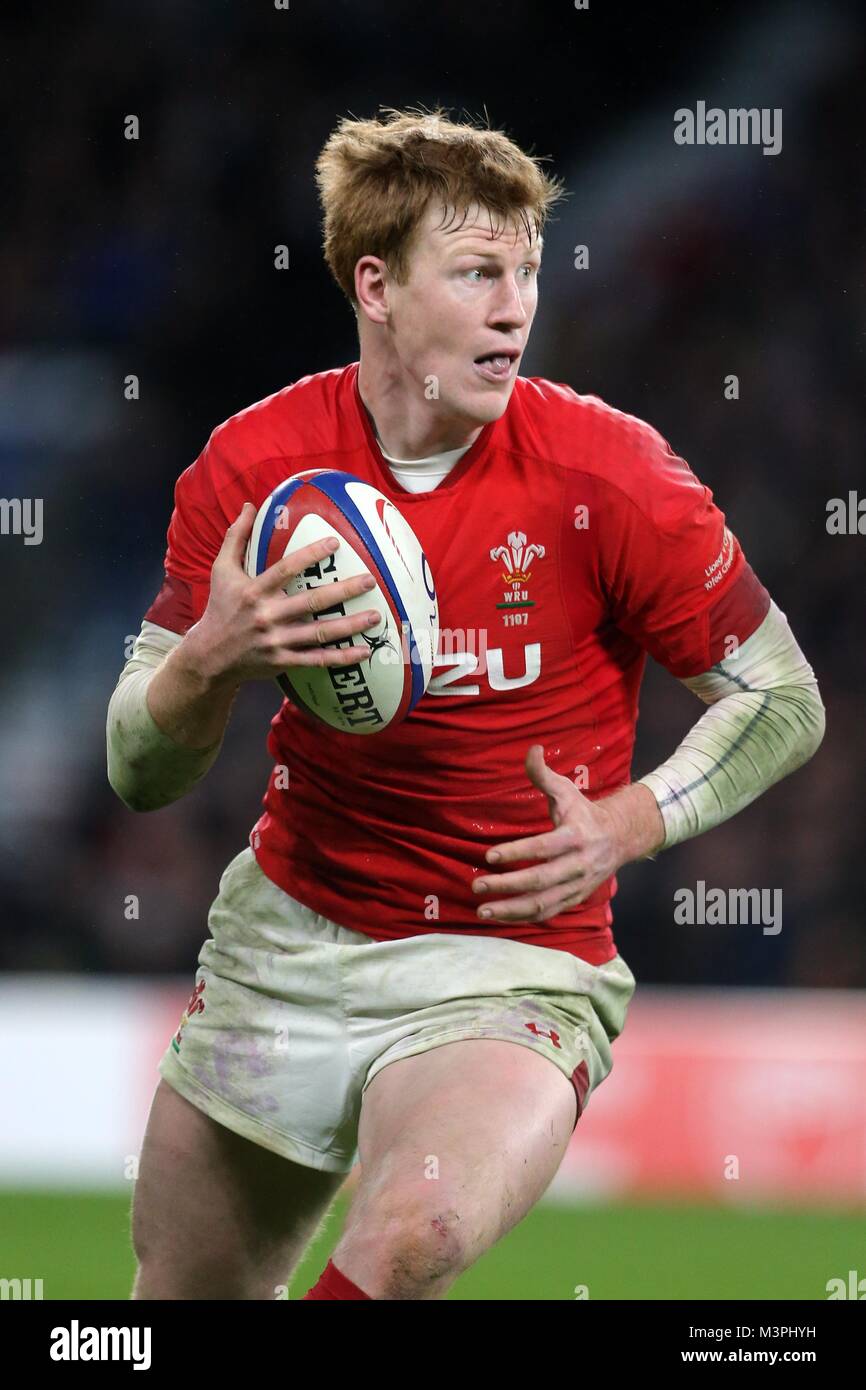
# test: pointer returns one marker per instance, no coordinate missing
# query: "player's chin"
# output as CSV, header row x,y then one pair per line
x,y
487,401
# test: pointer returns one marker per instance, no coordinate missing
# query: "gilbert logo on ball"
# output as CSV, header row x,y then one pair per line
x,y
374,536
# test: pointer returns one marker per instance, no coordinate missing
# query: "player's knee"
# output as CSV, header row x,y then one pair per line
x,y
415,1245
419,1257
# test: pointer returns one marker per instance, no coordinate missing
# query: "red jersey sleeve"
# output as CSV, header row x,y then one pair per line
x,y
207,498
676,578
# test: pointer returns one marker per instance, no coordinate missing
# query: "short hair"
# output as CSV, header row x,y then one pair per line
x,y
376,178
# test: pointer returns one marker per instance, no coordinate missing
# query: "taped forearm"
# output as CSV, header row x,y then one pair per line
x,y
766,719
146,768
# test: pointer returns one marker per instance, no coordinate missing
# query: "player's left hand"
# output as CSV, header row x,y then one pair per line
x,y
584,849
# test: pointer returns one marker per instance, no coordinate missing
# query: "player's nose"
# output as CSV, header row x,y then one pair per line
x,y
509,310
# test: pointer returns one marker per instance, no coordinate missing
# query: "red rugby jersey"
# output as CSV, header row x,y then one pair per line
x,y
565,544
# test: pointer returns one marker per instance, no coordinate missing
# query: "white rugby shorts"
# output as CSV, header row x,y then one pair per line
x,y
292,1015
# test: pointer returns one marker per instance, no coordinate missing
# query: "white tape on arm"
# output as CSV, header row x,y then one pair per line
x,y
766,719
146,768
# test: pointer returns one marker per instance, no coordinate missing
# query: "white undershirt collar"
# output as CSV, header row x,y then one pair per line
x,y
421,475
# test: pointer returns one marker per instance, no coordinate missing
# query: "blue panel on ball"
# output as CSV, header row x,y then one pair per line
x,y
333,485
279,498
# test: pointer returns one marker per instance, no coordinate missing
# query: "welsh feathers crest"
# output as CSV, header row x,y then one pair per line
x,y
518,556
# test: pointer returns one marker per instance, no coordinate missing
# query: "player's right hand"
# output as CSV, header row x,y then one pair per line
x,y
252,630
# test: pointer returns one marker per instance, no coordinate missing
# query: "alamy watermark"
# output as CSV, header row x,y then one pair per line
x,y
729,907
22,516
737,126
22,1289
77,1343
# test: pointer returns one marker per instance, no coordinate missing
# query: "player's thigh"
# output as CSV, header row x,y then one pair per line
x,y
475,1129
208,1199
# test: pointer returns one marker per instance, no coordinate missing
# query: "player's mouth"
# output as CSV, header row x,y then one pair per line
x,y
496,366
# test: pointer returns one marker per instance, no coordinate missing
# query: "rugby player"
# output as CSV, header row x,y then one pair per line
x,y
412,961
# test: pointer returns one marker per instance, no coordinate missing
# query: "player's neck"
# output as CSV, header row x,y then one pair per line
x,y
405,425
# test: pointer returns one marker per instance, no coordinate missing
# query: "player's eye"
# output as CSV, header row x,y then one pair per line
x,y
476,270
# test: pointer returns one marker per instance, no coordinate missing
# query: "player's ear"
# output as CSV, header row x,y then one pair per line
x,y
372,283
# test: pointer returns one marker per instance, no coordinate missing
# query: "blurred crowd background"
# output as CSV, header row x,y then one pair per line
x,y
155,258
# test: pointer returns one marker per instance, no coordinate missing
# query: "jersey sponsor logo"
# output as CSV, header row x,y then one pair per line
x,y
517,557
466,664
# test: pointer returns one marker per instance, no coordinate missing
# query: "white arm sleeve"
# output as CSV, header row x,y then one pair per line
x,y
146,768
766,719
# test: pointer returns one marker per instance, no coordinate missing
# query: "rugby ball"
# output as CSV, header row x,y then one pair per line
x,y
374,536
